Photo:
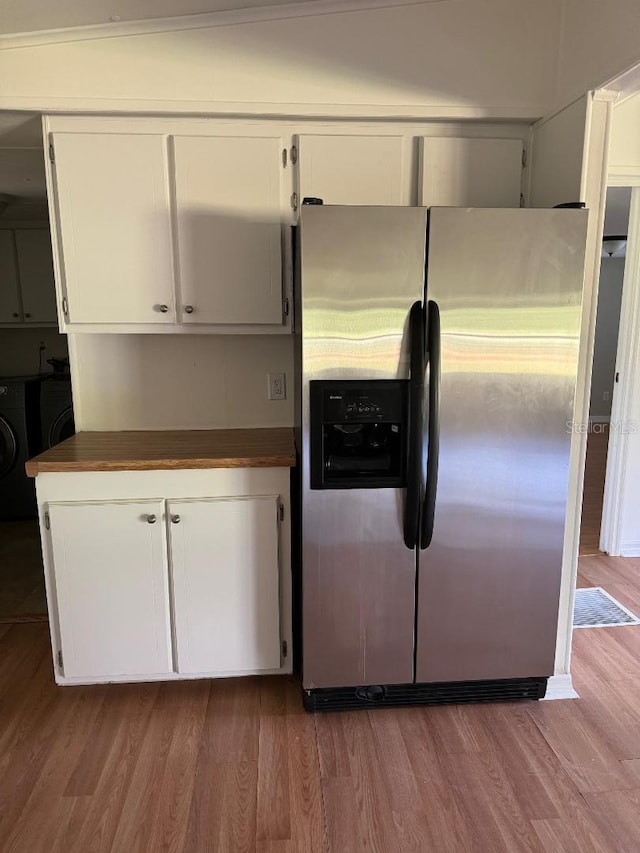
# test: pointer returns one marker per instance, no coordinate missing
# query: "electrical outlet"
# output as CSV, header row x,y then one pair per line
x,y
276,386
605,396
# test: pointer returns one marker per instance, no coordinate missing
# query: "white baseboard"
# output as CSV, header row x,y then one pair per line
x,y
630,549
560,687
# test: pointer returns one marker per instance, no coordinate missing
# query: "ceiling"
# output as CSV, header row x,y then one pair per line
x,y
20,130
30,16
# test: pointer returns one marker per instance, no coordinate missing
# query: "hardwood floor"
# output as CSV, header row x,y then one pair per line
x,y
594,476
237,765
22,595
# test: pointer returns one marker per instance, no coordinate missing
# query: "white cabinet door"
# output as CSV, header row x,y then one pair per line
x,y
115,229
224,563
111,582
10,311
459,172
352,169
229,211
35,264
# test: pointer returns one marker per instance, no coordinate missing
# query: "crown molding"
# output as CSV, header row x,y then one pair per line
x,y
264,110
626,84
206,20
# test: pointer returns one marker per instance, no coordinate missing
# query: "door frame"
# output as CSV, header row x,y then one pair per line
x,y
627,356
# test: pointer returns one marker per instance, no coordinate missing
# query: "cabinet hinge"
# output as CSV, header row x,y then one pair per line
x,y
284,158
294,201
524,157
617,377
294,154
285,648
51,153
47,521
65,306
60,659
285,307
521,200
281,512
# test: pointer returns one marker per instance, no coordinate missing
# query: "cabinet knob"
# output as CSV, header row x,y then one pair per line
x,y
151,519
15,314
27,315
188,309
175,519
163,309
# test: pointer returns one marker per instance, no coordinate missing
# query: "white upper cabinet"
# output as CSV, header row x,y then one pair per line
x,y
111,588
182,225
460,172
353,169
226,588
229,212
114,227
38,289
10,311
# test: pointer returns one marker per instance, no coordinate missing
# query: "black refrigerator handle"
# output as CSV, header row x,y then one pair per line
x,y
433,429
415,488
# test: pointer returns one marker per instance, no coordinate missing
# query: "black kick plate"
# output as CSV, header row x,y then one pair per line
x,y
436,693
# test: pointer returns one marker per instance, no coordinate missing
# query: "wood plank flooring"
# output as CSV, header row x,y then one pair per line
x,y
594,477
237,765
22,595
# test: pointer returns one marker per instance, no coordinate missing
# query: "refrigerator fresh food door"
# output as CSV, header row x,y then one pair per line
x,y
361,270
508,284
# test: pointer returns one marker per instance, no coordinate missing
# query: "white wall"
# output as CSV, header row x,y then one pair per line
x,y
494,58
622,493
20,349
179,381
624,152
556,154
599,40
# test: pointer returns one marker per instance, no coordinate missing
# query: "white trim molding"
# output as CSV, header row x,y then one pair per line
x,y
267,110
623,176
622,401
599,419
624,85
230,17
560,687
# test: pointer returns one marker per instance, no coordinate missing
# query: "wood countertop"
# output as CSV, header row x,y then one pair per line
x,y
169,450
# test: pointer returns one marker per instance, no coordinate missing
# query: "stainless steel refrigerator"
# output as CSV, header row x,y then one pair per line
x,y
437,355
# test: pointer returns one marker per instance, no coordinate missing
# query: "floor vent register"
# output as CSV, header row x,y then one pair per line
x,y
595,608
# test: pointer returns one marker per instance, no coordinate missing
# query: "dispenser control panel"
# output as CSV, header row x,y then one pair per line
x,y
355,403
358,433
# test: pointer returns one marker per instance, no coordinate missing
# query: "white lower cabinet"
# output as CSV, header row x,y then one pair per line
x,y
224,571
111,588
142,587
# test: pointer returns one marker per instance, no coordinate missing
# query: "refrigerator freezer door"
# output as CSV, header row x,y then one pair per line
x,y
508,284
362,268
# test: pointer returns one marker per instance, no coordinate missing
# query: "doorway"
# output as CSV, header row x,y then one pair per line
x,y
603,377
35,387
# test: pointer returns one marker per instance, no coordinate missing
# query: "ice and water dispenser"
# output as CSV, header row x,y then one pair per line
x,y
358,434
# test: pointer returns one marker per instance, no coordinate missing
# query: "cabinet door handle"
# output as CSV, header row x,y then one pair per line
x,y
188,309
27,315
175,519
163,309
151,519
